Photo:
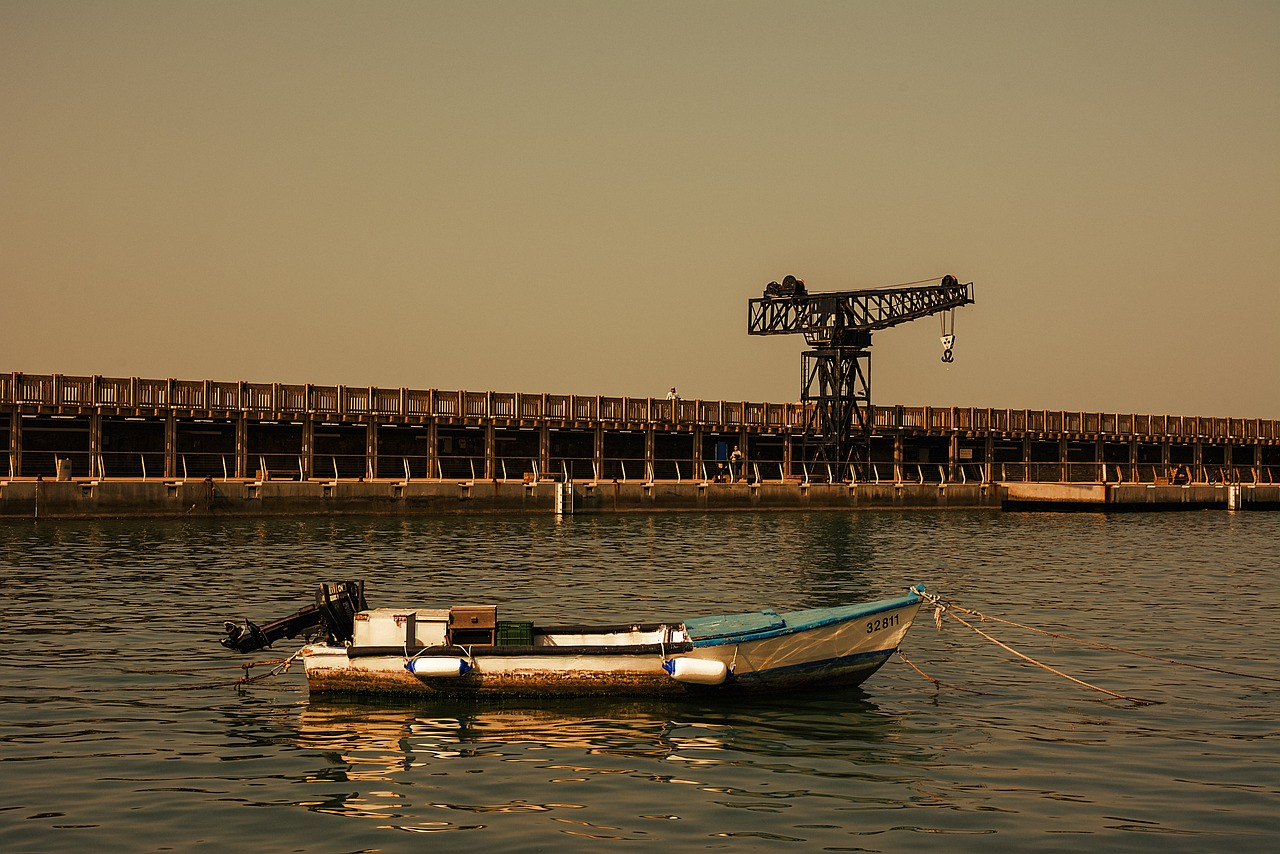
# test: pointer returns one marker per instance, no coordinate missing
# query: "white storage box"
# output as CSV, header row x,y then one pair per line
x,y
432,626
385,627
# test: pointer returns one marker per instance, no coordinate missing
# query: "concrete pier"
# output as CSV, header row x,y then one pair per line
x,y
94,446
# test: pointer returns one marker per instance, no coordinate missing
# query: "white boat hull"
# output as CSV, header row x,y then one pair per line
x,y
765,651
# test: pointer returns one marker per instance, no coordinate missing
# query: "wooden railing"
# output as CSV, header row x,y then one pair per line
x,y
60,391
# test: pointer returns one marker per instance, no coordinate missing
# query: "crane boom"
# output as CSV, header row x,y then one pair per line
x,y
821,316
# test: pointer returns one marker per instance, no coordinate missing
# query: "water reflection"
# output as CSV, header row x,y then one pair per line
x,y
405,760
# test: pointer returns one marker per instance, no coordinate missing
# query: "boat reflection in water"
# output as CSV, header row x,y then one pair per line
x,y
412,766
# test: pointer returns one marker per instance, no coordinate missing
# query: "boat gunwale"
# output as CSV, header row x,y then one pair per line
x,y
514,651
838,614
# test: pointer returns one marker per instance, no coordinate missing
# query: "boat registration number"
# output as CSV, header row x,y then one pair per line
x,y
880,623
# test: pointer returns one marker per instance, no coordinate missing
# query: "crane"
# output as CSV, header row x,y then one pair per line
x,y
836,373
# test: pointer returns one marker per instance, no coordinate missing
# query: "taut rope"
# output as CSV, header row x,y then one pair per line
x,y
942,609
984,617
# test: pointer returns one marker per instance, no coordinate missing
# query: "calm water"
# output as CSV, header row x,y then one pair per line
x,y
118,729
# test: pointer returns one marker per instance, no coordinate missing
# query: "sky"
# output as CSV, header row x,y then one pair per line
x,y
580,197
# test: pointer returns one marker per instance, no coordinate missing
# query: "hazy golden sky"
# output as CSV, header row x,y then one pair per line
x,y
580,197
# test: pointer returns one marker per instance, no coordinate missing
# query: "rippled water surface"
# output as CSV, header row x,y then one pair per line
x,y
119,729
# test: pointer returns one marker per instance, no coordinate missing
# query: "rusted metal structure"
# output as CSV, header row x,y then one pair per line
x,y
133,428
836,374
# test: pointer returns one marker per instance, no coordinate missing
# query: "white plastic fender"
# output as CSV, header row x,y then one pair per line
x,y
438,666
698,671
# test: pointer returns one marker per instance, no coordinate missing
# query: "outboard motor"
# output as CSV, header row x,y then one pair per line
x,y
337,603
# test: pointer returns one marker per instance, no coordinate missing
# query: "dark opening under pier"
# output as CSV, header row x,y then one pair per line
x,y
103,446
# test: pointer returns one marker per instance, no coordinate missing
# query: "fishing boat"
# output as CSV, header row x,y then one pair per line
x,y
467,650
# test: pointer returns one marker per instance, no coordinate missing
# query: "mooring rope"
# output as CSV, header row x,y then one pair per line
x,y
244,665
283,667
950,606
1068,677
942,608
279,665
936,682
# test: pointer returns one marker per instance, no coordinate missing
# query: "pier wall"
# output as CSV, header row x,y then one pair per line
x,y
1139,496
31,499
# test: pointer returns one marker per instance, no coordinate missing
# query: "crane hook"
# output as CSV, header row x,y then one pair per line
x,y
948,335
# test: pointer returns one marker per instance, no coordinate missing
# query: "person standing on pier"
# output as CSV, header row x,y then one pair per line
x,y
735,464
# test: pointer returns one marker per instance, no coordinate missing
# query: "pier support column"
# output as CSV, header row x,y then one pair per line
x,y
648,451
897,457
95,443
953,457
787,455
170,445
371,450
597,453
15,443
308,446
697,452
988,455
433,448
242,445
544,448
490,451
